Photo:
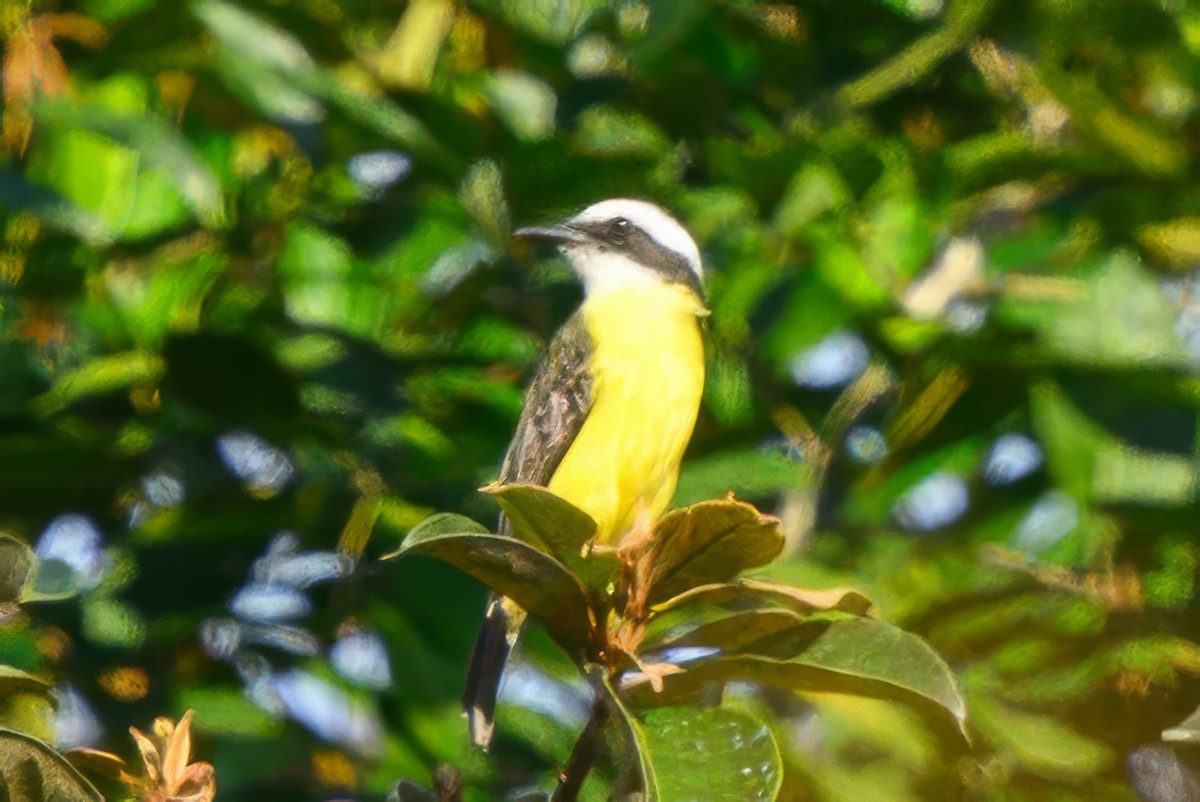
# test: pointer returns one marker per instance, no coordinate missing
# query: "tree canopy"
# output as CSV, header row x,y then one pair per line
x,y
261,314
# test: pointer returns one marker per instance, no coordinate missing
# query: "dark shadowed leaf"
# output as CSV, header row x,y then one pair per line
x,y
538,583
712,541
33,772
1186,731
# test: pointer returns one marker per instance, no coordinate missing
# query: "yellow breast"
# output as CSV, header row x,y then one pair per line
x,y
648,363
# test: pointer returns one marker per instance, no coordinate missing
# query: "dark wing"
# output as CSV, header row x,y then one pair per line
x,y
556,404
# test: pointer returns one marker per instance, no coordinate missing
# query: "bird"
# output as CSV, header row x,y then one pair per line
x,y
612,406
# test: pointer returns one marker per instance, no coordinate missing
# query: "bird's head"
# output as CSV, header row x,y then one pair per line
x,y
620,242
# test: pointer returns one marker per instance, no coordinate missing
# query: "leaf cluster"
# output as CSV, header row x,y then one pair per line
x,y
663,619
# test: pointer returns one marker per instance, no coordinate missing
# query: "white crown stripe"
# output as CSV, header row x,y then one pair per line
x,y
658,225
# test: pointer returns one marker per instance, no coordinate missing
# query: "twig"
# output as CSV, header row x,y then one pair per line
x,y
583,755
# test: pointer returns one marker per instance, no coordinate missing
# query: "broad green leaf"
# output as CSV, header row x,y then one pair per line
x,y
33,772
557,527
746,593
711,754
541,585
712,541
17,564
774,633
861,657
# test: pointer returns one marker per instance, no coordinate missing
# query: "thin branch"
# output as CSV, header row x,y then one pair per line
x,y
583,755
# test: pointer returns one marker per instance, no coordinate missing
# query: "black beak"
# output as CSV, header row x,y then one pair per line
x,y
561,233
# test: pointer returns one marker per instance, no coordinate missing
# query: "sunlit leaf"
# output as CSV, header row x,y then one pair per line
x,y
1048,746
753,593
712,541
857,656
558,528
153,140
774,633
711,754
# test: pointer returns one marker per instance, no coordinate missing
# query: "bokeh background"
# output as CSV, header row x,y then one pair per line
x,y
261,313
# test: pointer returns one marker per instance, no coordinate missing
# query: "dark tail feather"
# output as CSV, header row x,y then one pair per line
x,y
484,672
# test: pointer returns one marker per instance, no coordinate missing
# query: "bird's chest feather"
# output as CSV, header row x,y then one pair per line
x,y
648,368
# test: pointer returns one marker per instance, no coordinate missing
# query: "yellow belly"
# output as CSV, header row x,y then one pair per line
x,y
648,363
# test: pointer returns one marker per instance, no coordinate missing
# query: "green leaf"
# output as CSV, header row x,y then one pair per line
x,y
31,770
862,657
1123,320
261,62
17,564
712,541
746,593
18,192
629,731
273,71
157,144
14,680
524,102
711,754
1176,242
774,633
1044,744
538,583
444,523
99,376
562,530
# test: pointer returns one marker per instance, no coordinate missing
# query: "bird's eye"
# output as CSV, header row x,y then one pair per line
x,y
619,227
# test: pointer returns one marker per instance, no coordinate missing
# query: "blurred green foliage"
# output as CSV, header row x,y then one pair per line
x,y
256,277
